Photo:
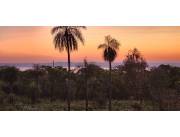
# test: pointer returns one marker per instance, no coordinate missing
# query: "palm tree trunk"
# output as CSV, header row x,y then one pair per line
x,y
110,82
68,84
68,79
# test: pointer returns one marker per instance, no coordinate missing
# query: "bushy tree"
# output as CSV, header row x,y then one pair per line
x,y
163,88
135,73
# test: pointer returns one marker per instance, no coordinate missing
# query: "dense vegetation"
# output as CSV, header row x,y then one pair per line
x,y
134,86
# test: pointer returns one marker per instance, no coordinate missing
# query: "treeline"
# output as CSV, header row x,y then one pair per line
x,y
133,80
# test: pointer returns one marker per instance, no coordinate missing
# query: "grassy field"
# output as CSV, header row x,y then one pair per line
x,y
46,105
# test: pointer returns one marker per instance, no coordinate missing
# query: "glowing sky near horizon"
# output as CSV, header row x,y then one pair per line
x,y
35,44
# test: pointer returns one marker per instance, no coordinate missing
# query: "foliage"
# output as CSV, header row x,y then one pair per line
x,y
45,88
110,47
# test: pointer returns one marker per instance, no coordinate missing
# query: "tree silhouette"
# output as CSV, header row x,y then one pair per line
x,y
110,47
66,37
135,67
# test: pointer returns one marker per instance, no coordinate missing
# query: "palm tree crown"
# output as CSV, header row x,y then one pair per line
x,y
67,37
110,47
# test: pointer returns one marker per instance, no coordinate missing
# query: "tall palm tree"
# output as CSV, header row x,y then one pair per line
x,y
110,47
67,37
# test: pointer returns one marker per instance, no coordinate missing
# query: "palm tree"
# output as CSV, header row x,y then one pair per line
x,y
110,47
67,37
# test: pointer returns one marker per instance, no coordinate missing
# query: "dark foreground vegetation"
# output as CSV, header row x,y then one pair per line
x,y
133,87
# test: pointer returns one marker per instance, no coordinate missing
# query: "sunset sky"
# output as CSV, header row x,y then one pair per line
x,y
35,44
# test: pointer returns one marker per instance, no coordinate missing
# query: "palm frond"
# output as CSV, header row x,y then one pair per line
x,y
57,28
59,41
77,33
108,38
79,27
67,37
74,43
111,42
114,44
102,46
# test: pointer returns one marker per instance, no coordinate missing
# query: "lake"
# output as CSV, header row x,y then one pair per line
x,y
26,66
